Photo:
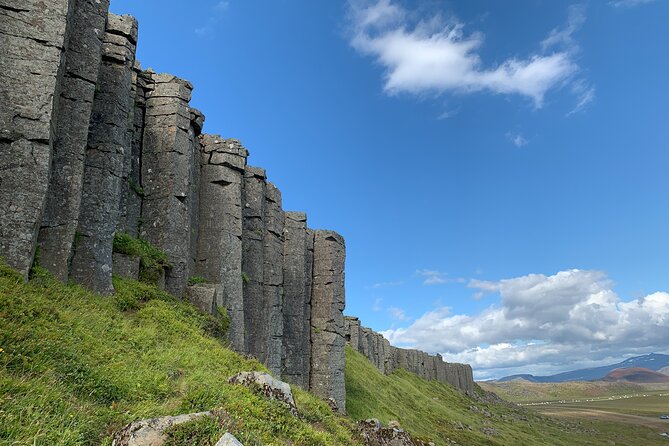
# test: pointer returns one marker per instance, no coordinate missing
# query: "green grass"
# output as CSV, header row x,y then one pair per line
x,y
75,367
437,411
153,261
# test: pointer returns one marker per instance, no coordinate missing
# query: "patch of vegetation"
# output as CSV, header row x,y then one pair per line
x,y
194,280
437,411
153,261
136,188
76,366
245,277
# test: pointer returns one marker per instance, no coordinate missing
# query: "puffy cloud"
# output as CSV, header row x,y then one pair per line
x,y
517,139
543,324
398,314
438,56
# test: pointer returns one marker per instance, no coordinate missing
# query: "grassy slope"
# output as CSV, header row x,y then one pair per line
x,y
74,367
525,391
434,410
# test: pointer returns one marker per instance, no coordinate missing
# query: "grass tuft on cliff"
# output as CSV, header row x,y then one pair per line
x,y
436,411
75,367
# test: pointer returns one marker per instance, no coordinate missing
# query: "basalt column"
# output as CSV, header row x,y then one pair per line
x,y
33,37
168,159
109,139
327,319
297,271
82,64
219,254
273,276
253,263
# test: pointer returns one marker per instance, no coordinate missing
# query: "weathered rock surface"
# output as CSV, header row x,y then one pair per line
x,y
219,253
298,252
228,440
33,41
273,277
374,434
77,91
109,139
269,386
168,161
151,432
327,320
125,266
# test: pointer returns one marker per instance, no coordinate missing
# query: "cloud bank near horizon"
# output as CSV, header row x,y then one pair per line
x,y
543,324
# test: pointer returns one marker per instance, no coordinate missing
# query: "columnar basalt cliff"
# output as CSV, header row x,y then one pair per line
x,y
93,146
387,358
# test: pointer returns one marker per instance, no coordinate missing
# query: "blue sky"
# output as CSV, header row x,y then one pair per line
x,y
498,169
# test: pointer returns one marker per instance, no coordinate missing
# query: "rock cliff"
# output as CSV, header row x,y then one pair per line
x,y
94,146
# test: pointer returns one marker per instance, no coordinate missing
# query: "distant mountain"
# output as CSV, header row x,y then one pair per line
x,y
652,361
636,375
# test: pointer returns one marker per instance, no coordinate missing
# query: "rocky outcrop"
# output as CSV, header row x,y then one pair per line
x,y
95,149
268,386
219,248
152,432
327,319
387,358
109,139
33,39
78,85
373,433
298,259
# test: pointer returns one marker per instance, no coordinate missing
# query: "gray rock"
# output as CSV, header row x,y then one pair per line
x,y
228,440
109,139
33,41
268,386
219,249
77,90
256,313
125,266
327,319
151,432
273,277
203,296
168,161
297,266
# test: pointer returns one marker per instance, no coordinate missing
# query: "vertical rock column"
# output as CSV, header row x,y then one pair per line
x,y
219,253
109,139
167,164
297,271
273,277
327,318
82,64
33,37
253,263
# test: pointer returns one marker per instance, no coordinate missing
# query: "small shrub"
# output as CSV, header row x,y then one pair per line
x,y
194,280
152,260
245,277
203,431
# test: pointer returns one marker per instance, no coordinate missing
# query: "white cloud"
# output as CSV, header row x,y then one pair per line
x,y
438,56
386,284
222,5
629,3
543,323
398,314
377,304
517,139
433,277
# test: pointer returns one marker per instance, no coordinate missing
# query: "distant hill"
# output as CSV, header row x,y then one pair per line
x,y
652,361
636,375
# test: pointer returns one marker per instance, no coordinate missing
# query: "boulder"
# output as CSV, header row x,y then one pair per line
x,y
228,440
151,432
269,386
374,434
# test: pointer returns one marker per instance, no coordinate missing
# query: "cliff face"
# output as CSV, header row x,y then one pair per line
x,y
93,145
387,358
